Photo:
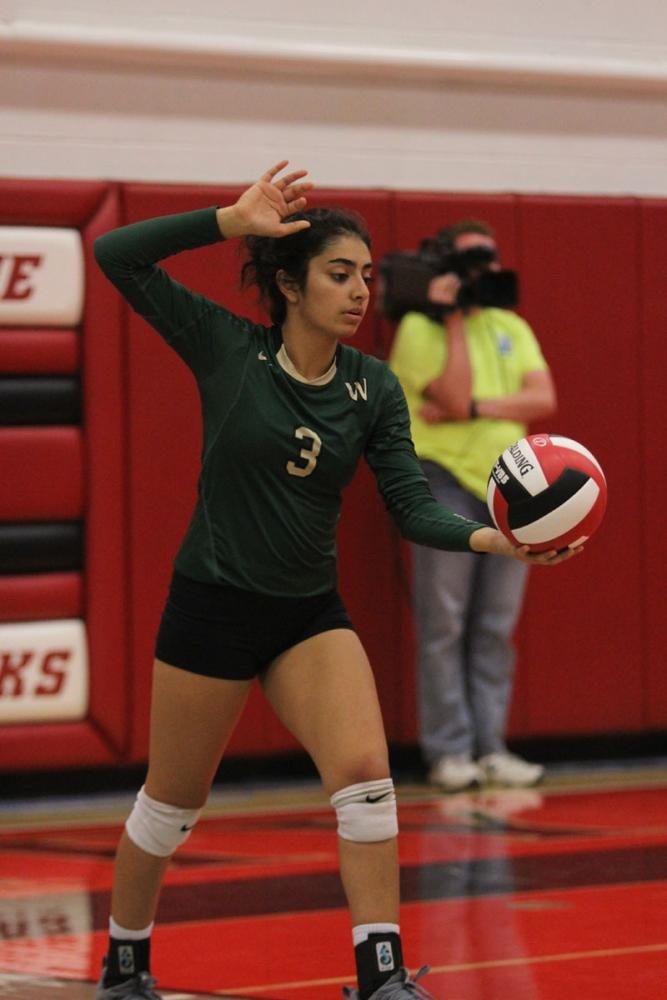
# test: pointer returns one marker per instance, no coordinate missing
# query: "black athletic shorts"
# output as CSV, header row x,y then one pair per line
x,y
222,631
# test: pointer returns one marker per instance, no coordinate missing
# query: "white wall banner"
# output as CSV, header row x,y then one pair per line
x,y
41,276
43,671
49,933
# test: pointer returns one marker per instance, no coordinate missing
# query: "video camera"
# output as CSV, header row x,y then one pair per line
x,y
405,277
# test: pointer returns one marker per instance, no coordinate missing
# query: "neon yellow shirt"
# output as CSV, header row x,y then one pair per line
x,y
502,349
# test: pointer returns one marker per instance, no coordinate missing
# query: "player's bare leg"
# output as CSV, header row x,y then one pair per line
x,y
192,719
324,691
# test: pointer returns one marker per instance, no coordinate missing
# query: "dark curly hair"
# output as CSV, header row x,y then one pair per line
x,y
266,255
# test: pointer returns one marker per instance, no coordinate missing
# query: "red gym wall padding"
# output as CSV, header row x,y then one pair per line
x,y
40,597
582,295
104,421
648,465
72,473
590,640
50,352
25,202
44,466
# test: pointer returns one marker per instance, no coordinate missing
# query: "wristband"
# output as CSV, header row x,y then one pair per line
x,y
473,409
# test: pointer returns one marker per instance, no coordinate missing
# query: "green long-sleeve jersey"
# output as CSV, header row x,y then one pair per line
x,y
277,452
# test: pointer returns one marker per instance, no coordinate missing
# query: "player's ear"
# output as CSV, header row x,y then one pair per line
x,y
287,286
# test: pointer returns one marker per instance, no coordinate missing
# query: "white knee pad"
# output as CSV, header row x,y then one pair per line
x,y
366,812
158,828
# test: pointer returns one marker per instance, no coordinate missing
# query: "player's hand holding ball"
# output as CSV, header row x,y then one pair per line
x,y
547,494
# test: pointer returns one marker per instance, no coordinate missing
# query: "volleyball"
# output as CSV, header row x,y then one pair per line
x,y
547,492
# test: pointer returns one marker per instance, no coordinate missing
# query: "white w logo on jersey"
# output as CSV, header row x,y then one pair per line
x,y
357,390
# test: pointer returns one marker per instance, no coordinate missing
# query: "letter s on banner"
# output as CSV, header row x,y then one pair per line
x,y
43,671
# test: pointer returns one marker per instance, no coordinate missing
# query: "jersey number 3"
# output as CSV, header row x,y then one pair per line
x,y
309,455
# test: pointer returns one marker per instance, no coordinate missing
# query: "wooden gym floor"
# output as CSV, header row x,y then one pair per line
x,y
541,894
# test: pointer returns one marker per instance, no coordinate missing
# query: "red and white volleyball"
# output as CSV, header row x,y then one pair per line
x,y
547,492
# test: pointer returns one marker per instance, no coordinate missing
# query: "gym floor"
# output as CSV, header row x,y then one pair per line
x,y
530,894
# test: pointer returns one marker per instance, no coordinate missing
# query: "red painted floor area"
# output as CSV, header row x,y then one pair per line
x,y
508,896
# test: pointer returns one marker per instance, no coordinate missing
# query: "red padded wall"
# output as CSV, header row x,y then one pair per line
x,y
40,596
590,640
49,352
48,745
104,421
417,215
71,473
25,202
44,466
581,668
648,463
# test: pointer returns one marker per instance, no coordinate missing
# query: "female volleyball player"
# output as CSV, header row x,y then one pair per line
x,y
288,411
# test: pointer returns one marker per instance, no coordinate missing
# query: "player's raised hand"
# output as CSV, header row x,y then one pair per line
x,y
261,208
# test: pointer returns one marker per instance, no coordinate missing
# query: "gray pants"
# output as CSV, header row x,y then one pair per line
x,y
466,608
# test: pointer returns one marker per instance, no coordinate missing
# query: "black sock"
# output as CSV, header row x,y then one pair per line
x,y
126,959
378,958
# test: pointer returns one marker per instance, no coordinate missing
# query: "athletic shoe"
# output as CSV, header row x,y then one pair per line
x,y
399,987
455,772
508,769
138,988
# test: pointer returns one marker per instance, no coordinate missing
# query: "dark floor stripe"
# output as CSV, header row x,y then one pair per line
x,y
420,883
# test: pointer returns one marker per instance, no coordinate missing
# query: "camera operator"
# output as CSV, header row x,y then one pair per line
x,y
474,378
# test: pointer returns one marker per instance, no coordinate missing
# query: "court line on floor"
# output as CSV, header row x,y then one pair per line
x,y
573,956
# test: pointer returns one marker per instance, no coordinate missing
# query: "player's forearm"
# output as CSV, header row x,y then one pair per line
x,y
124,251
489,540
230,224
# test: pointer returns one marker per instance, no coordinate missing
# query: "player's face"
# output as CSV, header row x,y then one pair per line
x,y
336,295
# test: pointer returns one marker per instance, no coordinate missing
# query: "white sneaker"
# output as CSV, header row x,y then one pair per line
x,y
508,769
454,772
